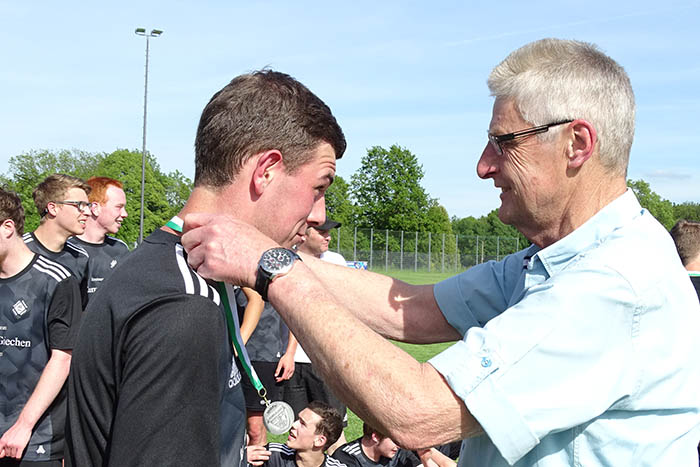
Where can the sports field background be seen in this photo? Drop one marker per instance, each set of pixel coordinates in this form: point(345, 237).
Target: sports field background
point(420, 352)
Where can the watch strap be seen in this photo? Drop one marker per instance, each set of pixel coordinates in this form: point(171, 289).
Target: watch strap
point(262, 283)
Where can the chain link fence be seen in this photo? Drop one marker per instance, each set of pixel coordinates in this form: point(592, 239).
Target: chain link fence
point(419, 251)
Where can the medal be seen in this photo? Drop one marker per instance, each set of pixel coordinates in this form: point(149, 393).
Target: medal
point(278, 417)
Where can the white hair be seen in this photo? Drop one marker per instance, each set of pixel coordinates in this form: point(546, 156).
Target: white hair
point(552, 80)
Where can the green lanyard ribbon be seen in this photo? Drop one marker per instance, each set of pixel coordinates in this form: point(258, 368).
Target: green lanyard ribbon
point(234, 328)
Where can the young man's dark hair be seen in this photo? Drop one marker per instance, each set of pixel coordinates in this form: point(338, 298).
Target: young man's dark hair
point(686, 236)
point(256, 112)
point(331, 424)
point(11, 208)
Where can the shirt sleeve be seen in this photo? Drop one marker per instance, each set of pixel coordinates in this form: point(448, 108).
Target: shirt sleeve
point(345, 458)
point(170, 386)
point(480, 293)
point(64, 315)
point(561, 356)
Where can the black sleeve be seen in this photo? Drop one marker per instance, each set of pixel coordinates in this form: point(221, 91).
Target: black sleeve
point(64, 315)
point(168, 411)
point(405, 458)
point(345, 458)
point(451, 450)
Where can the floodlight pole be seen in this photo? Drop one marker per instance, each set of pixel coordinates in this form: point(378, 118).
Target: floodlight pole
point(153, 33)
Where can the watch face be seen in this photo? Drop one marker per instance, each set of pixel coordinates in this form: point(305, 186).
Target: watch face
point(276, 260)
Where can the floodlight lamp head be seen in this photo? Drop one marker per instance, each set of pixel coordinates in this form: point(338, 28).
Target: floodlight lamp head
point(156, 32)
point(140, 31)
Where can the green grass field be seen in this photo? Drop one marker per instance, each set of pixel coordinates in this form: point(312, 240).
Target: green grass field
point(421, 353)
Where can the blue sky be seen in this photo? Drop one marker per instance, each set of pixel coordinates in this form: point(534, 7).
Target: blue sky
point(411, 73)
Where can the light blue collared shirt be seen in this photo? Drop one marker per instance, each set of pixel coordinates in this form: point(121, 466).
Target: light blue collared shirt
point(582, 353)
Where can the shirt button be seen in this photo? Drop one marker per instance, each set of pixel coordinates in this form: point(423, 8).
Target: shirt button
point(486, 362)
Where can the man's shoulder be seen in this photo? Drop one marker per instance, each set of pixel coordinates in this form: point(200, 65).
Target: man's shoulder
point(154, 271)
point(72, 248)
point(115, 243)
point(51, 269)
point(352, 449)
point(281, 455)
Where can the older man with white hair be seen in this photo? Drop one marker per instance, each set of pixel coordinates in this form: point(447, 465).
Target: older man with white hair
point(578, 350)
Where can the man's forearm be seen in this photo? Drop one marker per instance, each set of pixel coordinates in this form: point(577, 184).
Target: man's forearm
point(50, 383)
point(393, 308)
point(380, 382)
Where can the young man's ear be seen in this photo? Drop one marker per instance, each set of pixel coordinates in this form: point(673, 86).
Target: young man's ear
point(320, 441)
point(7, 228)
point(95, 209)
point(51, 208)
point(268, 165)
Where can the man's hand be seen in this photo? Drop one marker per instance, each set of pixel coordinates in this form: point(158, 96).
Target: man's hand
point(285, 367)
point(14, 440)
point(257, 455)
point(223, 248)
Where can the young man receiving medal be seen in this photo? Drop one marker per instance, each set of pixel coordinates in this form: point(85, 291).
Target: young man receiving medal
point(316, 429)
point(153, 380)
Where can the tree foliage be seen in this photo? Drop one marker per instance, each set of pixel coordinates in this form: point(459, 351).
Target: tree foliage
point(164, 196)
point(387, 190)
point(338, 204)
point(661, 209)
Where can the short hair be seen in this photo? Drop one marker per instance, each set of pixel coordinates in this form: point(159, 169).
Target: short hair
point(551, 80)
point(11, 208)
point(257, 112)
point(367, 430)
point(686, 236)
point(331, 423)
point(53, 188)
point(98, 188)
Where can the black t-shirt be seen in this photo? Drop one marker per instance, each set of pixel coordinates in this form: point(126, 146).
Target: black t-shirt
point(71, 256)
point(269, 340)
point(406, 458)
point(104, 257)
point(39, 311)
point(352, 455)
point(282, 455)
point(152, 378)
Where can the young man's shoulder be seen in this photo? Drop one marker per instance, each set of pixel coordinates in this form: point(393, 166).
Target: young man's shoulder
point(350, 453)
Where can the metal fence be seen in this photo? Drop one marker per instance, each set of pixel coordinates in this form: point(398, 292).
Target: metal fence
point(419, 251)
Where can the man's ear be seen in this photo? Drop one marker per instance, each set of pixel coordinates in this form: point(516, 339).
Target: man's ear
point(583, 143)
point(7, 228)
point(51, 208)
point(267, 166)
point(96, 209)
point(320, 441)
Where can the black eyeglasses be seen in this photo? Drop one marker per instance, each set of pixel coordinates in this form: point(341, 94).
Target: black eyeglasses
point(496, 140)
point(81, 205)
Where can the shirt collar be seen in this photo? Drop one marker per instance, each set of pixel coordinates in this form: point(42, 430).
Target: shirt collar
point(594, 231)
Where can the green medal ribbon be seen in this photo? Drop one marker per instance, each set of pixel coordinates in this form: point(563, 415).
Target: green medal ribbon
point(234, 328)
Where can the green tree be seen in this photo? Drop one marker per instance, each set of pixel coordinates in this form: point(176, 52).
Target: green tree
point(338, 204)
point(387, 190)
point(688, 210)
point(164, 195)
point(660, 208)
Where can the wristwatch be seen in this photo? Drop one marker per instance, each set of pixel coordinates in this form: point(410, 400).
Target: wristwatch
point(273, 263)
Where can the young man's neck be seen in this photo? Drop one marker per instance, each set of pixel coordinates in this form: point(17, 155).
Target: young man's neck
point(208, 201)
point(367, 446)
point(52, 236)
point(94, 233)
point(311, 458)
point(16, 259)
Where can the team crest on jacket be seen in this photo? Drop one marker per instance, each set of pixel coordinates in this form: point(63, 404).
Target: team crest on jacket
point(112, 264)
point(20, 308)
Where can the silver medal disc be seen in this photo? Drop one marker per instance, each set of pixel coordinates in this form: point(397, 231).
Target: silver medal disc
point(278, 417)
